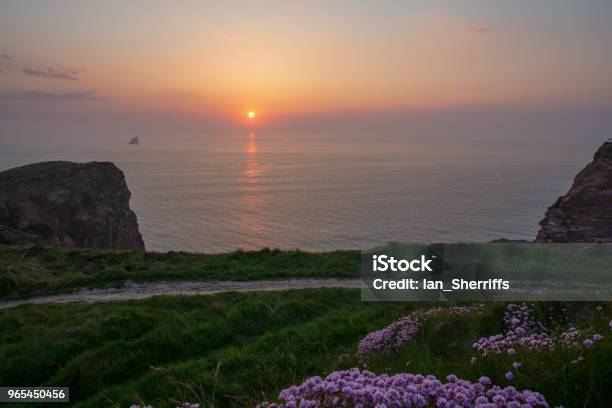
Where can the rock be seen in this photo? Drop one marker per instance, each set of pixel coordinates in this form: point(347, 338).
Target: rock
point(67, 204)
point(134, 141)
point(584, 214)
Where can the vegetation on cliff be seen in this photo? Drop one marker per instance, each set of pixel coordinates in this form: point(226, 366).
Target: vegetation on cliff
point(238, 349)
point(28, 271)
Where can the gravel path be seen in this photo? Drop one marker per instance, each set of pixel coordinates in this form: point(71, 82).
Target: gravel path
point(134, 290)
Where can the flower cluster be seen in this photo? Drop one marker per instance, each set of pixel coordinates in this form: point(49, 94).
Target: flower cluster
point(357, 388)
point(521, 316)
point(575, 338)
point(499, 343)
point(571, 337)
point(183, 405)
point(400, 332)
point(524, 333)
point(388, 339)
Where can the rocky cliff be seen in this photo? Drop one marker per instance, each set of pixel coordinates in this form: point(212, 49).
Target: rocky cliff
point(584, 214)
point(67, 204)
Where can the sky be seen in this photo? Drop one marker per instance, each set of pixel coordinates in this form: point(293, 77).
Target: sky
point(192, 64)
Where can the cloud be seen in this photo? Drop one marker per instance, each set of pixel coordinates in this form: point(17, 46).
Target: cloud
point(51, 96)
point(479, 30)
point(51, 73)
point(5, 56)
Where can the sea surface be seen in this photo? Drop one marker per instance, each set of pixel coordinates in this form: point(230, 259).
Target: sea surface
point(252, 189)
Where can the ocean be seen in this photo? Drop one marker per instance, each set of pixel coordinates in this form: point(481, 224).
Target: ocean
point(253, 189)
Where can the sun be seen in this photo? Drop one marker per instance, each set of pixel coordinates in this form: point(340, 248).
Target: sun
point(251, 115)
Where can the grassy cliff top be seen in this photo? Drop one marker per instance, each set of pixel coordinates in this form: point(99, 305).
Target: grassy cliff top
point(28, 271)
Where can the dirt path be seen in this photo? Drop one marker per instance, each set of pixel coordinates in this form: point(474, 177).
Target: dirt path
point(133, 290)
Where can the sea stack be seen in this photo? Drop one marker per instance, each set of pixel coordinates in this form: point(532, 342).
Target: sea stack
point(584, 214)
point(65, 204)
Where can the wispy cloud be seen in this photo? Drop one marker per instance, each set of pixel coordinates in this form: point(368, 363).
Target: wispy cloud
point(51, 73)
point(479, 30)
point(5, 56)
point(51, 96)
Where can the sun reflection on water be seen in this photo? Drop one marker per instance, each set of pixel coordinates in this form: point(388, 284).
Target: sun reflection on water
point(252, 170)
point(251, 224)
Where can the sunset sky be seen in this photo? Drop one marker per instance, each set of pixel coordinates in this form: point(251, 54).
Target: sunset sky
point(217, 60)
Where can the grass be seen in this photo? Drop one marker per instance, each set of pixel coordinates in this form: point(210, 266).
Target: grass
point(107, 351)
point(29, 271)
point(237, 349)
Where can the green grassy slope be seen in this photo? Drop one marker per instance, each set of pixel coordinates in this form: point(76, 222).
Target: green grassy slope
point(238, 349)
point(30, 271)
point(107, 351)
point(27, 271)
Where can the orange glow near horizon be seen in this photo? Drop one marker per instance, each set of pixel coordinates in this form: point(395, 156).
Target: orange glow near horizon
point(303, 59)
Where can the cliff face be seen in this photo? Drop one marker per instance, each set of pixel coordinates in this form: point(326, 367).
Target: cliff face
point(67, 204)
point(584, 214)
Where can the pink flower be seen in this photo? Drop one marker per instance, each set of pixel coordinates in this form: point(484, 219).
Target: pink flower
point(366, 389)
point(484, 380)
point(578, 360)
